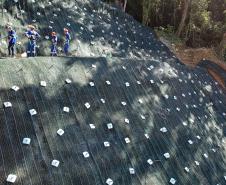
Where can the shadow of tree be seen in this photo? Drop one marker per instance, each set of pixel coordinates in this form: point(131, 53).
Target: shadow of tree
point(32, 163)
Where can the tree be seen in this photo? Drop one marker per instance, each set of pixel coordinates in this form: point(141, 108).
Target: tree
point(187, 4)
point(2, 7)
point(125, 5)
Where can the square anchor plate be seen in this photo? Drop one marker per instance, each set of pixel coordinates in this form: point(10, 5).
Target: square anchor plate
point(109, 181)
point(127, 140)
point(26, 141)
point(91, 84)
point(186, 169)
point(126, 120)
point(87, 105)
point(7, 104)
point(123, 103)
point(149, 161)
point(92, 126)
point(131, 171)
point(163, 129)
point(68, 81)
point(66, 109)
point(172, 181)
point(86, 154)
point(106, 144)
point(127, 84)
point(15, 88)
point(167, 155)
point(108, 82)
point(60, 132)
point(110, 126)
point(102, 100)
point(55, 163)
point(147, 136)
point(11, 178)
point(32, 112)
point(43, 83)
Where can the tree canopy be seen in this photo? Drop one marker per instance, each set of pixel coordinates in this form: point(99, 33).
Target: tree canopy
point(198, 22)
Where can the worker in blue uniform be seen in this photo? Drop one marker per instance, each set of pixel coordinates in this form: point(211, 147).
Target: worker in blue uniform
point(54, 40)
point(67, 41)
point(11, 40)
point(32, 36)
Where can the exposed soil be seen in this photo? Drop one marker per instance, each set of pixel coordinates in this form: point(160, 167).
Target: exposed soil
point(192, 57)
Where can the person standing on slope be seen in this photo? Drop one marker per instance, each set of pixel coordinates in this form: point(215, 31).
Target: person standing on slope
point(67, 41)
point(54, 44)
point(11, 40)
point(32, 35)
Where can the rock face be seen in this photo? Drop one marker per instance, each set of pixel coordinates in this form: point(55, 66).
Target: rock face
point(134, 113)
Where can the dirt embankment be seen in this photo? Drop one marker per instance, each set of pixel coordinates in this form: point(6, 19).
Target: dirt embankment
point(193, 57)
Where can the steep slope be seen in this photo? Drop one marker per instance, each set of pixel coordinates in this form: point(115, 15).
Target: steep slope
point(168, 120)
point(189, 104)
point(96, 28)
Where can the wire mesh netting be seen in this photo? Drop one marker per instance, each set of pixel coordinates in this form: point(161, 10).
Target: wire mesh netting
point(176, 111)
point(134, 114)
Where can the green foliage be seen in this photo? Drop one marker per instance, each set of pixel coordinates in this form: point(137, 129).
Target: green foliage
point(150, 7)
point(169, 34)
point(204, 25)
point(200, 18)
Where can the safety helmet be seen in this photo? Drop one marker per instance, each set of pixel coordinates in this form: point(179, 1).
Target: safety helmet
point(8, 26)
point(31, 27)
point(65, 30)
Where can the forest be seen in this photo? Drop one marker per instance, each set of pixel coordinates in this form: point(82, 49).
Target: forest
point(196, 23)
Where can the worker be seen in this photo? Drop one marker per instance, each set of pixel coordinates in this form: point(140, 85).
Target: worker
point(32, 35)
point(11, 40)
point(54, 44)
point(67, 41)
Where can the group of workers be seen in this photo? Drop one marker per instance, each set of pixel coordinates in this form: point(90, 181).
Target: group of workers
point(33, 36)
point(54, 40)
